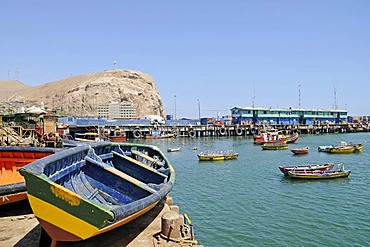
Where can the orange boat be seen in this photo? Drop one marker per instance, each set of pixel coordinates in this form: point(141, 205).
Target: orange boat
point(304, 150)
point(12, 184)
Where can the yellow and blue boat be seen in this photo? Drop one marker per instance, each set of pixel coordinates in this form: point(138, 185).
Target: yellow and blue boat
point(87, 190)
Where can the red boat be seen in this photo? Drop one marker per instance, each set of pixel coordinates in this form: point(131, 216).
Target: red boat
point(12, 184)
point(304, 150)
point(118, 136)
point(306, 168)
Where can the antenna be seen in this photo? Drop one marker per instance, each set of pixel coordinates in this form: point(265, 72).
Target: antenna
point(17, 75)
point(335, 98)
point(254, 94)
point(299, 95)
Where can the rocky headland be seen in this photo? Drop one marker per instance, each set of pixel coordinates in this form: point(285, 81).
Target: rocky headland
point(81, 95)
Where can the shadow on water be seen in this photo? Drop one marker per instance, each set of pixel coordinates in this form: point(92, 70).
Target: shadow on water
point(288, 180)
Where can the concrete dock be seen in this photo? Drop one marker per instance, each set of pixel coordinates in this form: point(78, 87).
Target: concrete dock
point(19, 227)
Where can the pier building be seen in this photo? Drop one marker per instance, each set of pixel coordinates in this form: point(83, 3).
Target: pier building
point(260, 115)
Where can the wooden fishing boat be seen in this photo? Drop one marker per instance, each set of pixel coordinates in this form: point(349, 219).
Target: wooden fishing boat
point(288, 138)
point(117, 138)
point(88, 137)
point(158, 135)
point(91, 189)
point(12, 158)
point(320, 174)
point(342, 148)
point(265, 136)
point(275, 146)
point(308, 167)
point(173, 149)
point(117, 135)
point(303, 150)
point(217, 156)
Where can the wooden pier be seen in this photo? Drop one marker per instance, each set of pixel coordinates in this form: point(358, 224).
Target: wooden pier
point(139, 131)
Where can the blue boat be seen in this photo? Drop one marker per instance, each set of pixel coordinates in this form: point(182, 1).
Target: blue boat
point(91, 189)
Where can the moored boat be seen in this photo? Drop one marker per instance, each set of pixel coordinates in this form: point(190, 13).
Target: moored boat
point(320, 174)
point(303, 150)
point(158, 135)
point(288, 138)
point(173, 149)
point(307, 167)
point(264, 136)
point(90, 189)
point(275, 146)
point(12, 158)
point(342, 148)
point(217, 156)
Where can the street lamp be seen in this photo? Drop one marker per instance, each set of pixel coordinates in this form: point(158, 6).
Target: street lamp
point(175, 107)
point(199, 108)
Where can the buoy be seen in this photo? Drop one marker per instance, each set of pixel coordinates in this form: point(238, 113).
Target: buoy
point(136, 133)
point(222, 131)
point(239, 131)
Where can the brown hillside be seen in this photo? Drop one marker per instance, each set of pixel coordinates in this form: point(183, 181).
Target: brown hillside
point(9, 88)
point(81, 95)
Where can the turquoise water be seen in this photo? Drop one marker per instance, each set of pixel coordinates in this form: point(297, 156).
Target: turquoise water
point(248, 201)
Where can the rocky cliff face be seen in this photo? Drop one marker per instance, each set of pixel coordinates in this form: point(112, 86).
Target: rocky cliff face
point(81, 95)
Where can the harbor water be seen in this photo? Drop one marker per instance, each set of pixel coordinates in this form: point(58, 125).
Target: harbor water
point(249, 202)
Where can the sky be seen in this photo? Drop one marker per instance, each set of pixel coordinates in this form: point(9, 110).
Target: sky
point(205, 56)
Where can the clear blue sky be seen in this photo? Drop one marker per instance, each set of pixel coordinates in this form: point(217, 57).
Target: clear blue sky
point(224, 53)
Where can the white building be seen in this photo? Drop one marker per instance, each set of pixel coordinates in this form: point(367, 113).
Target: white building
point(115, 110)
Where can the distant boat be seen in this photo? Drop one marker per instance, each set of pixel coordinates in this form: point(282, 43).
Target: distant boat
point(275, 146)
point(217, 156)
point(303, 150)
point(91, 189)
point(288, 138)
point(173, 149)
point(157, 135)
point(342, 148)
point(88, 137)
point(12, 158)
point(117, 136)
point(320, 174)
point(308, 167)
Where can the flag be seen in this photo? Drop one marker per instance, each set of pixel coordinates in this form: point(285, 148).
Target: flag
point(114, 62)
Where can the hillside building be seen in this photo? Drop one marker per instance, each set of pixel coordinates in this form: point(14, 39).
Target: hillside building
point(115, 110)
point(290, 115)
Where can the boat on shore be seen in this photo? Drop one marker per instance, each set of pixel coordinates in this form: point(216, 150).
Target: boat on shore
point(320, 174)
point(275, 146)
point(12, 158)
point(217, 156)
point(305, 168)
point(87, 190)
point(342, 148)
point(303, 150)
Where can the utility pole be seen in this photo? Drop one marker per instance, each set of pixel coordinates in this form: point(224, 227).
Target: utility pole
point(199, 108)
point(299, 95)
point(175, 107)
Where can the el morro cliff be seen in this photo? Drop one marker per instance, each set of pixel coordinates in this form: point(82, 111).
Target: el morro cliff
point(81, 95)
